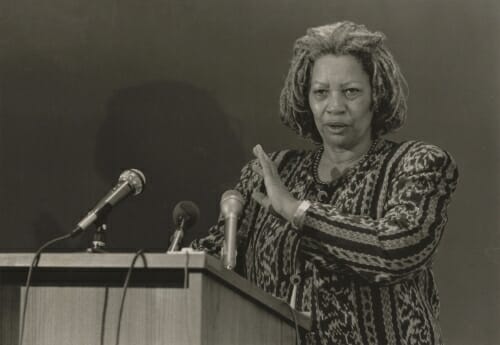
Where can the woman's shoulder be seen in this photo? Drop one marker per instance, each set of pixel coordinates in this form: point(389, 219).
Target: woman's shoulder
point(420, 155)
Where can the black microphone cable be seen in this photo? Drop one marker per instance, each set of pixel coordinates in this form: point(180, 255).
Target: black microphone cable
point(139, 253)
point(34, 264)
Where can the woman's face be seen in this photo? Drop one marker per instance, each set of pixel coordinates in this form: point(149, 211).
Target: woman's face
point(340, 100)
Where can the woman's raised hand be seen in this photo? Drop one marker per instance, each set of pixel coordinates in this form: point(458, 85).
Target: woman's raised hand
point(277, 196)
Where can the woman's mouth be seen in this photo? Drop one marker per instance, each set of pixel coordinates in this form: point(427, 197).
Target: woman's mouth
point(336, 127)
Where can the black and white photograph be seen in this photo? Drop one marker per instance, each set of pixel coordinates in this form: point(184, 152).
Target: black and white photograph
point(265, 172)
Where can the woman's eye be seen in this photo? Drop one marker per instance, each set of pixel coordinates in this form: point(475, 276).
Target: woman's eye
point(320, 92)
point(352, 92)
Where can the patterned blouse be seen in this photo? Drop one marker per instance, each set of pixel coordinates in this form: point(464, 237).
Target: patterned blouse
point(364, 254)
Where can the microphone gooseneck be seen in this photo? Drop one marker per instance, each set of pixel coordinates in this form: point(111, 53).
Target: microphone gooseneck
point(231, 205)
point(184, 215)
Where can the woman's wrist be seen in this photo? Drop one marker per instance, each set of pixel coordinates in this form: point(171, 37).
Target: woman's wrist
point(289, 208)
point(299, 215)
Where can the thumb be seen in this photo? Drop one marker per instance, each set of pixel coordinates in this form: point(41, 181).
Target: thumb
point(264, 201)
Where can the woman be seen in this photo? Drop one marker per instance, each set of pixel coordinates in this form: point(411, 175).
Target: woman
point(355, 223)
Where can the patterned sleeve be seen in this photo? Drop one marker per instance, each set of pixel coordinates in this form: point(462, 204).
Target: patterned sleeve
point(213, 242)
point(404, 235)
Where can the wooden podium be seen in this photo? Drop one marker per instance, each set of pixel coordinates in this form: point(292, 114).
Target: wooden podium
point(178, 298)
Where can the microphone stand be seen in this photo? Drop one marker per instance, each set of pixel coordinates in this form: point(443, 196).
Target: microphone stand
point(99, 238)
point(177, 237)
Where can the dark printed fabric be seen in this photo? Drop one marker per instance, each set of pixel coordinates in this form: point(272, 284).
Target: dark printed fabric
point(365, 251)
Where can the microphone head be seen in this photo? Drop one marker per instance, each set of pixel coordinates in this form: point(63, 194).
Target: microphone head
point(135, 179)
point(186, 210)
point(231, 202)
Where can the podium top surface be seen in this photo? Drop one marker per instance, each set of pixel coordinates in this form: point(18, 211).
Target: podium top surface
point(196, 260)
point(185, 260)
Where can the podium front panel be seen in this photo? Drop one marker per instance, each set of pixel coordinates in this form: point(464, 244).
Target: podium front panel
point(76, 298)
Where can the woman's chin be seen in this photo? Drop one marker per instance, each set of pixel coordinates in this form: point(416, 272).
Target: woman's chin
point(336, 141)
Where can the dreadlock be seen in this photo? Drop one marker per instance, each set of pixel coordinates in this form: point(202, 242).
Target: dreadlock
point(389, 88)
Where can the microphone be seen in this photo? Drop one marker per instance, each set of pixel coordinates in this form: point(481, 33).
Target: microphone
point(231, 205)
point(130, 182)
point(185, 215)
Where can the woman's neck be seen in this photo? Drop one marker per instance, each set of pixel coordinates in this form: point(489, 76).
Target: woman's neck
point(336, 160)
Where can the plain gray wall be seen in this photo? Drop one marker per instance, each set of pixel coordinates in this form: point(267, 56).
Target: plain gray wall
point(182, 89)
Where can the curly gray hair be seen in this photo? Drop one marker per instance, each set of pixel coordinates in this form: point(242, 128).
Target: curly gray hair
point(389, 88)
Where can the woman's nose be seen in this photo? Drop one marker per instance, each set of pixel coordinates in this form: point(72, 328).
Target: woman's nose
point(336, 104)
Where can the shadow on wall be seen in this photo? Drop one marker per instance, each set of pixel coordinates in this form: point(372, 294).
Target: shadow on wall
point(180, 138)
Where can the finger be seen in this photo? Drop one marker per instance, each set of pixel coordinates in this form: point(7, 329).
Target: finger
point(259, 152)
point(261, 199)
point(257, 169)
point(257, 149)
point(264, 160)
point(264, 201)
